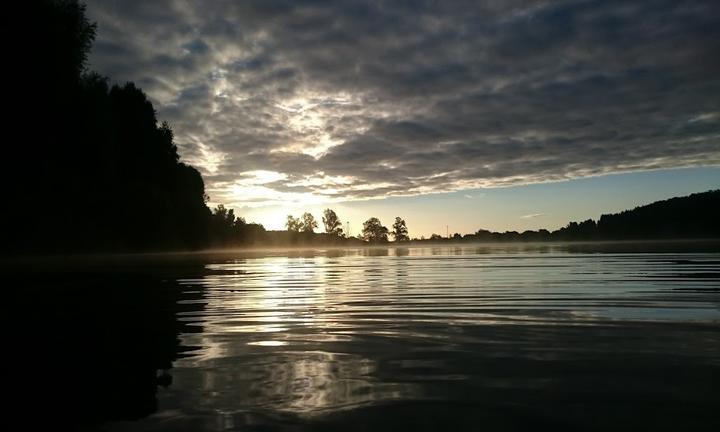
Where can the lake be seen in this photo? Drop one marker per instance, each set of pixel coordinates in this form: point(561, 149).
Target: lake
point(470, 337)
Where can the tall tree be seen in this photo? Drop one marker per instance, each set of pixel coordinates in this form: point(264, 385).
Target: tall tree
point(400, 231)
point(374, 232)
point(108, 170)
point(308, 223)
point(293, 224)
point(332, 223)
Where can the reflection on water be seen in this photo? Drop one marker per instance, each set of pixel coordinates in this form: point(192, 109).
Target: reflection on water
point(510, 337)
point(89, 345)
point(284, 307)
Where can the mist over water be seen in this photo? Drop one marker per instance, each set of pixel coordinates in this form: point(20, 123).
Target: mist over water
point(440, 338)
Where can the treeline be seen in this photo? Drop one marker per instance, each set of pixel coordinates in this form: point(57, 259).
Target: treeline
point(90, 167)
point(231, 231)
point(373, 230)
point(690, 217)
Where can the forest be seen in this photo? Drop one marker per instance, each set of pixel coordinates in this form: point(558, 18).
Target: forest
point(690, 217)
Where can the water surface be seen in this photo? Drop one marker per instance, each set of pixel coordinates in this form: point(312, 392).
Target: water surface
point(441, 338)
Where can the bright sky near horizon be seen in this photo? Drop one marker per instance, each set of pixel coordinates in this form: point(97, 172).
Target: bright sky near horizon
point(534, 206)
point(504, 115)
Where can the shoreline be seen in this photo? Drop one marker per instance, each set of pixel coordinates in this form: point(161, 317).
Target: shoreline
point(142, 259)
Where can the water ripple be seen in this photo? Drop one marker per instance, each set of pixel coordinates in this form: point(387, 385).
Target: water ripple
point(322, 332)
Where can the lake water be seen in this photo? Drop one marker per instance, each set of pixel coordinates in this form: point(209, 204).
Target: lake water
point(508, 337)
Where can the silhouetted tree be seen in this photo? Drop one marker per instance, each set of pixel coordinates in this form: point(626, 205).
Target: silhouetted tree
point(399, 230)
point(222, 224)
point(100, 162)
point(308, 223)
point(693, 216)
point(332, 223)
point(373, 231)
point(585, 230)
point(293, 224)
point(230, 230)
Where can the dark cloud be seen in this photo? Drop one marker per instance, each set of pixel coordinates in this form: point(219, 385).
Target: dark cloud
point(356, 100)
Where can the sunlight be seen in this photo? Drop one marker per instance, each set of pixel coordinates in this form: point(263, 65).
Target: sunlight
point(254, 196)
point(312, 116)
point(320, 179)
point(268, 343)
point(259, 177)
point(251, 299)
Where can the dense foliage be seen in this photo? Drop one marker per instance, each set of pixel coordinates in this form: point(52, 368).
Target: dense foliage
point(92, 169)
point(690, 217)
point(374, 232)
point(399, 230)
point(332, 223)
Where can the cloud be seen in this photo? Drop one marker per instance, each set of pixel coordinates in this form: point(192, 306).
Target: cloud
point(532, 215)
point(408, 98)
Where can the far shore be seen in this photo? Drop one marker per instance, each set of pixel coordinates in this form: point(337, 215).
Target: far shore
point(98, 261)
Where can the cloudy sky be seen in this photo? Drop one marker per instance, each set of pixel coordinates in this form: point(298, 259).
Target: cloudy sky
point(502, 114)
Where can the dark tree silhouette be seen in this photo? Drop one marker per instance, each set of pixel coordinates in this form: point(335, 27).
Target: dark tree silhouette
point(293, 224)
point(226, 229)
point(92, 157)
point(693, 216)
point(690, 217)
point(308, 223)
point(400, 231)
point(332, 223)
point(374, 232)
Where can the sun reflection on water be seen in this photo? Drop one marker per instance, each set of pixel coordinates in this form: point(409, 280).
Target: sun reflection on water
point(309, 332)
point(283, 312)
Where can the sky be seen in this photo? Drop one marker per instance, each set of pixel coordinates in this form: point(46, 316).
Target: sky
point(455, 115)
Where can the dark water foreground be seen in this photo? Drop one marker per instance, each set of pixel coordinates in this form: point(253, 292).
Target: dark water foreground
point(507, 337)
